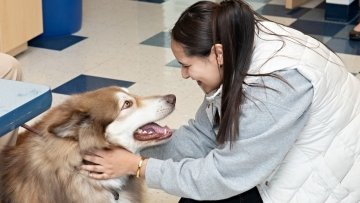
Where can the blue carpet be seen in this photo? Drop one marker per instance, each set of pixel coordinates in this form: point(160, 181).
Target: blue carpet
point(55, 43)
point(84, 83)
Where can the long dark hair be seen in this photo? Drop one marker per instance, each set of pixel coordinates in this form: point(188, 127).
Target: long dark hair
point(231, 23)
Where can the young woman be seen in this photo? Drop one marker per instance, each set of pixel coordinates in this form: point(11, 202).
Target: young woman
point(279, 121)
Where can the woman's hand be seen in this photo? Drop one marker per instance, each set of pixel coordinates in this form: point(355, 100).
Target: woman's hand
point(111, 163)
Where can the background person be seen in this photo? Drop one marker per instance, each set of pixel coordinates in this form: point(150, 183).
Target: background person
point(10, 69)
point(355, 33)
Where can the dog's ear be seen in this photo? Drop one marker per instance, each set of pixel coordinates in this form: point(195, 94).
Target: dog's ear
point(73, 121)
point(66, 121)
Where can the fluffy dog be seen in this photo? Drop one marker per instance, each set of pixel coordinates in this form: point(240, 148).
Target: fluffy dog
point(44, 166)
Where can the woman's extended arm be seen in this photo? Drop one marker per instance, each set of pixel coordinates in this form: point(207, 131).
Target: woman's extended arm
point(269, 126)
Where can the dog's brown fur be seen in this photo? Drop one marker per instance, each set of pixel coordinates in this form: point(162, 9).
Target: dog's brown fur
point(45, 168)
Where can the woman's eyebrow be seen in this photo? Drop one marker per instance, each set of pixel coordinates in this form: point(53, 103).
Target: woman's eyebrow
point(182, 63)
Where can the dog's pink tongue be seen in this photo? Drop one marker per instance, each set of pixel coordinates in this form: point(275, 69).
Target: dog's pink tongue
point(152, 131)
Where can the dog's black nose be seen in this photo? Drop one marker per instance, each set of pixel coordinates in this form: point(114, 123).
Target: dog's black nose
point(170, 98)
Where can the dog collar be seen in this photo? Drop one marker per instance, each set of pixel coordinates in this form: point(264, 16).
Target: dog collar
point(115, 193)
point(31, 129)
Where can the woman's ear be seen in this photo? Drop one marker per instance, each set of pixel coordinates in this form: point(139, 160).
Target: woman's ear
point(218, 50)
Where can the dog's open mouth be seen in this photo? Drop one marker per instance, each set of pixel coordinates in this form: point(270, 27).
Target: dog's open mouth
point(152, 131)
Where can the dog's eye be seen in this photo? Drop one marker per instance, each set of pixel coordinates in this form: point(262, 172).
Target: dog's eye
point(127, 104)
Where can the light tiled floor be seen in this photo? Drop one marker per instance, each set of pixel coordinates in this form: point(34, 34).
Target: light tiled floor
point(128, 40)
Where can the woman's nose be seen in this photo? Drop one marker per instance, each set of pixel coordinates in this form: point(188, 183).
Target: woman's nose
point(185, 73)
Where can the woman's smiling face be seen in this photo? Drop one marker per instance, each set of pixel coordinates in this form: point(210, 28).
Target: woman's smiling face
point(205, 70)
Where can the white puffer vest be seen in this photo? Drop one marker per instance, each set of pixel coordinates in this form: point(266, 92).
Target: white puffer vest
point(324, 164)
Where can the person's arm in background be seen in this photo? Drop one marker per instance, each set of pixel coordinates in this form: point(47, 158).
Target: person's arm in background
point(10, 69)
